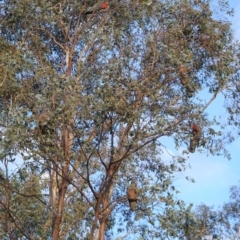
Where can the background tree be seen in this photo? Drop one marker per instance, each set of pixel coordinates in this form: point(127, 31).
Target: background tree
point(206, 222)
point(94, 97)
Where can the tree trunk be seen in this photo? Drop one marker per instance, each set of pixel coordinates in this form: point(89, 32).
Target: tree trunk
point(57, 218)
point(102, 230)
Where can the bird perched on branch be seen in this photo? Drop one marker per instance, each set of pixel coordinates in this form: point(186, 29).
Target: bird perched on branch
point(44, 123)
point(195, 138)
point(101, 6)
point(132, 196)
point(185, 80)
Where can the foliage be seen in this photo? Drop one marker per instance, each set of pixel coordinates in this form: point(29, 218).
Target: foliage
point(87, 100)
point(216, 224)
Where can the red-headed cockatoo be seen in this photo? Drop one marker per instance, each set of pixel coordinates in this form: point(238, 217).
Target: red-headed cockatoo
point(101, 6)
point(195, 138)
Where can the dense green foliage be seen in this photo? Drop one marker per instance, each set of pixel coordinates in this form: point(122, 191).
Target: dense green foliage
point(86, 101)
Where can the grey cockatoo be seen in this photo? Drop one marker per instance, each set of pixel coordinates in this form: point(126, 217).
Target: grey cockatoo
point(132, 196)
point(45, 124)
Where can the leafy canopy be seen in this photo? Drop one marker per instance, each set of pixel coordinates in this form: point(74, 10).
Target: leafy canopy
point(87, 102)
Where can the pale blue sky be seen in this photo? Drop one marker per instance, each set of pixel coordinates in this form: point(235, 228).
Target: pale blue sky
point(213, 175)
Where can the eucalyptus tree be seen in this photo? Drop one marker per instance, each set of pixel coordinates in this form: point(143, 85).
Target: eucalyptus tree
point(94, 97)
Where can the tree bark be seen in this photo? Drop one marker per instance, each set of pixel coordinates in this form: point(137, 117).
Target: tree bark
point(57, 218)
point(102, 230)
